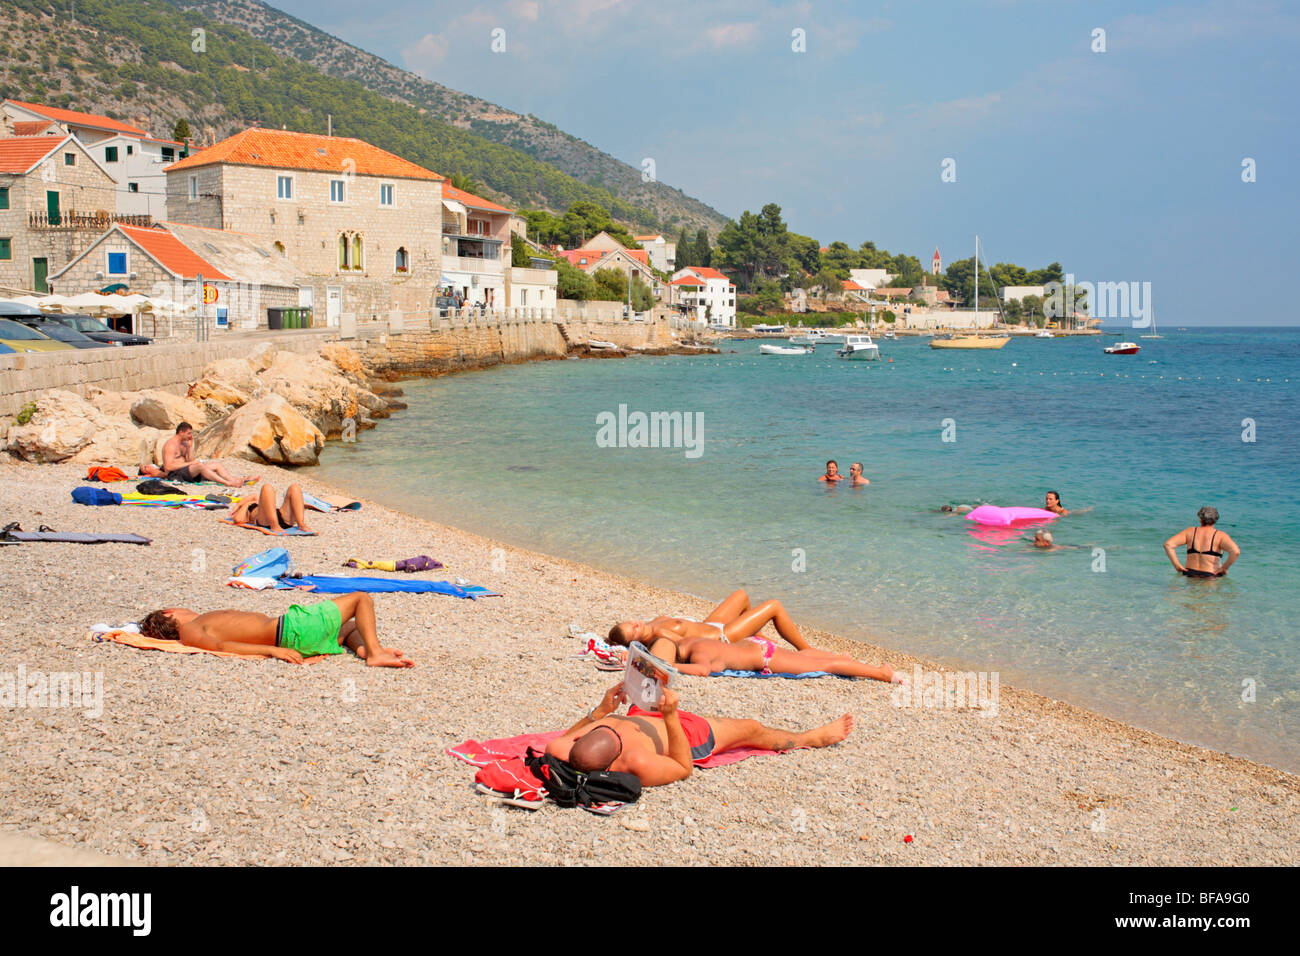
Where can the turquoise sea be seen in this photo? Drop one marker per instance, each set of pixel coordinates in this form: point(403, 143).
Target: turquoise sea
point(1134, 443)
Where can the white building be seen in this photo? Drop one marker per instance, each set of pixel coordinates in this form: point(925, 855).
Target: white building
point(532, 288)
point(663, 253)
point(1014, 293)
point(707, 294)
point(870, 278)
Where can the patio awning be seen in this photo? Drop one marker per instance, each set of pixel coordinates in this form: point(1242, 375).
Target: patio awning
point(452, 206)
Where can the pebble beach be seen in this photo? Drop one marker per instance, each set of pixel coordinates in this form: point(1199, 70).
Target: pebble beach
point(200, 760)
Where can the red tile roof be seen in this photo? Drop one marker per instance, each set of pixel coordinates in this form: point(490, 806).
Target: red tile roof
point(707, 272)
point(31, 127)
point(689, 280)
point(594, 256)
point(18, 154)
point(469, 199)
point(851, 286)
point(172, 254)
point(284, 149)
point(643, 238)
point(80, 119)
point(890, 293)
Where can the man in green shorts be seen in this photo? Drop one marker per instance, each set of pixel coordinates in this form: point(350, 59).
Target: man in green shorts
point(324, 628)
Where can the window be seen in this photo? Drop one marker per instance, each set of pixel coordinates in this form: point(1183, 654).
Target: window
point(385, 194)
point(336, 190)
point(168, 154)
point(110, 154)
point(69, 159)
point(6, 248)
point(4, 197)
point(130, 150)
point(523, 296)
point(133, 187)
point(117, 263)
point(194, 189)
point(356, 252)
point(283, 187)
point(350, 248)
point(343, 251)
point(401, 261)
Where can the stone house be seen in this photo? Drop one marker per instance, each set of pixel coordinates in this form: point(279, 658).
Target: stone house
point(241, 276)
point(476, 237)
point(54, 198)
point(663, 251)
point(365, 226)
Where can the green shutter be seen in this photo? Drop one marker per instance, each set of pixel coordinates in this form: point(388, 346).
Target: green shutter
point(6, 249)
point(4, 197)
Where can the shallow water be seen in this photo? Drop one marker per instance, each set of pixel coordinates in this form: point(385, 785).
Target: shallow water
point(1134, 443)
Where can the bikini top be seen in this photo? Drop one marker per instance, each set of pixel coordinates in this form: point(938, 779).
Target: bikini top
point(1191, 546)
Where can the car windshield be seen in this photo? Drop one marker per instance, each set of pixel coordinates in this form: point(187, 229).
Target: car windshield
point(18, 332)
point(84, 323)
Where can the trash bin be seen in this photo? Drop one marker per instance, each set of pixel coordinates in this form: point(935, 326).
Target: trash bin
point(275, 319)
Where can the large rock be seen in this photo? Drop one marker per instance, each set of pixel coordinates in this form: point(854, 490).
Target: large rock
point(66, 427)
point(158, 409)
point(215, 391)
point(113, 404)
point(345, 359)
point(229, 382)
point(265, 429)
point(316, 387)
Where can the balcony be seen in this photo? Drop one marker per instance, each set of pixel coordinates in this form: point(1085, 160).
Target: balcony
point(476, 264)
point(96, 221)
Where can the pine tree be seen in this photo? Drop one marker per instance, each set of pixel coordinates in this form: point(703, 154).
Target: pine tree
point(181, 131)
point(701, 251)
point(685, 252)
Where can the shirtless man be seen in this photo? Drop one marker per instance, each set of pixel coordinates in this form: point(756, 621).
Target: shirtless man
point(702, 656)
point(264, 513)
point(179, 464)
point(661, 748)
point(324, 628)
point(855, 475)
point(1205, 561)
point(732, 620)
point(832, 472)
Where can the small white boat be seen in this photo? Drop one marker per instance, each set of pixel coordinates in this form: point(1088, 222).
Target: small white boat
point(817, 337)
point(889, 335)
point(597, 344)
point(1123, 348)
point(783, 350)
point(1044, 334)
point(859, 348)
point(768, 328)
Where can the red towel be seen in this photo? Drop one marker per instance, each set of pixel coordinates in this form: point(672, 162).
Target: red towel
point(508, 748)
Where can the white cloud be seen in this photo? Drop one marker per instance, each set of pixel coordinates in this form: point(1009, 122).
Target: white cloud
point(731, 34)
point(528, 10)
point(430, 49)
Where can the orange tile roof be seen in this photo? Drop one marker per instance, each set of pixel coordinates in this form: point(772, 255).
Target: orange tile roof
point(469, 199)
point(172, 254)
point(707, 272)
point(284, 149)
point(80, 119)
point(655, 236)
point(851, 286)
point(689, 280)
point(596, 255)
point(31, 127)
point(890, 293)
point(18, 154)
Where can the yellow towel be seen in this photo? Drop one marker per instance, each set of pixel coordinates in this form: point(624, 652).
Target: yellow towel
point(364, 565)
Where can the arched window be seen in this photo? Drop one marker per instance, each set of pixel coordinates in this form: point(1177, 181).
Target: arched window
point(357, 262)
point(401, 261)
point(344, 248)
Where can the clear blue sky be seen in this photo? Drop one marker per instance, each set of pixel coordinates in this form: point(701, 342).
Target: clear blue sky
point(1124, 165)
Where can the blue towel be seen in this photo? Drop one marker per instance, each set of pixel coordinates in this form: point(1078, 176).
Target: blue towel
point(730, 673)
point(331, 584)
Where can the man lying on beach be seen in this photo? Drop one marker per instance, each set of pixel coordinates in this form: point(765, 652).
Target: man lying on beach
point(702, 656)
point(855, 475)
point(264, 513)
point(324, 628)
point(832, 472)
point(732, 620)
point(179, 463)
point(661, 748)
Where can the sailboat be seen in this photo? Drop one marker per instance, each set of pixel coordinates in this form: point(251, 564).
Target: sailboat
point(1153, 334)
point(973, 340)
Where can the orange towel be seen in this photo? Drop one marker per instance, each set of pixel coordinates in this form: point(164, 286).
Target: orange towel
point(132, 639)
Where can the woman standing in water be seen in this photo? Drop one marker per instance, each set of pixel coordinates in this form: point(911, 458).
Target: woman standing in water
point(1204, 557)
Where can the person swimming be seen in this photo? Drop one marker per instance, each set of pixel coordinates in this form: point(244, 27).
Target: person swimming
point(832, 472)
point(855, 475)
point(1052, 502)
point(1206, 559)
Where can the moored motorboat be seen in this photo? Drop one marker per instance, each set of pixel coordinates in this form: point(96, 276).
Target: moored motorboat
point(1123, 348)
point(782, 350)
point(858, 348)
point(817, 337)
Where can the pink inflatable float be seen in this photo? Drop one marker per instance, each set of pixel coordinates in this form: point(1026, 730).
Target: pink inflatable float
point(1005, 517)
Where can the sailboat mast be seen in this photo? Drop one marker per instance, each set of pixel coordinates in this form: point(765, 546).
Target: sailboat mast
point(977, 283)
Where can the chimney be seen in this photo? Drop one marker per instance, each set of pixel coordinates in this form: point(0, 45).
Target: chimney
point(6, 124)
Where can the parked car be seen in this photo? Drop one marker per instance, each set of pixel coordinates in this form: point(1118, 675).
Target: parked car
point(22, 338)
point(58, 331)
point(5, 350)
point(93, 328)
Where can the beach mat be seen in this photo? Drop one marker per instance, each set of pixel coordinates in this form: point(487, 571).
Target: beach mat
point(508, 748)
point(330, 503)
point(79, 537)
point(140, 642)
point(258, 527)
point(734, 673)
point(330, 584)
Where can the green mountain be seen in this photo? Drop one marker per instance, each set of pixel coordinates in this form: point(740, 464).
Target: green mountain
point(141, 61)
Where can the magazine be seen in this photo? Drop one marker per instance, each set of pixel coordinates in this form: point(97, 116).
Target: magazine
point(646, 677)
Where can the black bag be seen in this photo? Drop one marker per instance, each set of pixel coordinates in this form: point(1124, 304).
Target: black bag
point(155, 487)
point(573, 788)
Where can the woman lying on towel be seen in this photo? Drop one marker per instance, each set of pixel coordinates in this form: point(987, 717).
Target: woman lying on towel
point(732, 620)
point(264, 513)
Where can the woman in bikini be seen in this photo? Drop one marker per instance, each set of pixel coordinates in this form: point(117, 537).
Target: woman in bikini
point(832, 472)
point(1203, 543)
point(704, 656)
point(731, 621)
point(264, 513)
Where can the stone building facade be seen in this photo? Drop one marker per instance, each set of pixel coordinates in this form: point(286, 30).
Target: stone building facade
point(365, 226)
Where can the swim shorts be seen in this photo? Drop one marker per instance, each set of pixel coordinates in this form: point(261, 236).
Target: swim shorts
point(311, 630)
point(180, 474)
point(699, 733)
